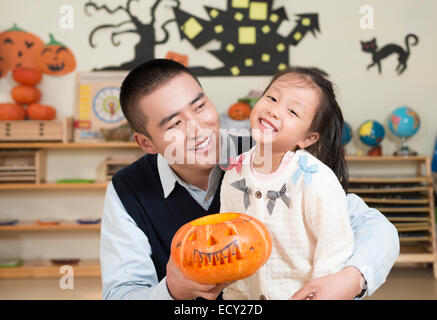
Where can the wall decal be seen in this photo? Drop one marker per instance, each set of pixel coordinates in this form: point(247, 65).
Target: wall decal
point(247, 30)
point(145, 49)
point(389, 49)
point(250, 43)
point(23, 49)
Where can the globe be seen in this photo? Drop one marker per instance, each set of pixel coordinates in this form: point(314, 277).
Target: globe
point(404, 122)
point(346, 136)
point(371, 133)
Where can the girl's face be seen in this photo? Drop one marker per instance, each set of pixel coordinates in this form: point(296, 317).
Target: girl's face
point(283, 115)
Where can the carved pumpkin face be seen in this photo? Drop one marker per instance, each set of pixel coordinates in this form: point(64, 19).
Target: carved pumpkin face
point(19, 48)
point(239, 111)
point(56, 59)
point(221, 247)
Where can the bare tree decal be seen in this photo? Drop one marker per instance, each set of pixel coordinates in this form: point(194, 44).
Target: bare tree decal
point(145, 49)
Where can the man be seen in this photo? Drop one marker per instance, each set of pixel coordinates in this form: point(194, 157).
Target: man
point(179, 180)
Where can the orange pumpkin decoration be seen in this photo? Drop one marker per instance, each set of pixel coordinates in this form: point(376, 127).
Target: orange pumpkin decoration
point(56, 59)
point(19, 48)
point(181, 58)
point(4, 66)
point(221, 247)
point(239, 111)
point(41, 112)
point(11, 111)
point(27, 76)
point(26, 94)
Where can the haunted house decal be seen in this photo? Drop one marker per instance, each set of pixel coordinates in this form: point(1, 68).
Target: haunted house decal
point(247, 31)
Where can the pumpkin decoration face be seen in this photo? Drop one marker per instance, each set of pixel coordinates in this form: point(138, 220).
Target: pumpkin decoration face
point(221, 247)
point(19, 48)
point(239, 111)
point(56, 59)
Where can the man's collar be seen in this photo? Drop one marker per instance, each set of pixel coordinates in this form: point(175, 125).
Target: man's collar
point(167, 176)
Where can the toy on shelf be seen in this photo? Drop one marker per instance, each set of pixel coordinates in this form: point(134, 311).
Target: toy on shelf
point(404, 123)
point(239, 111)
point(98, 107)
point(25, 165)
point(346, 135)
point(36, 130)
point(112, 165)
point(372, 133)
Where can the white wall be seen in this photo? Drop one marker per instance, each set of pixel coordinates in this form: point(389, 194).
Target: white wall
point(362, 94)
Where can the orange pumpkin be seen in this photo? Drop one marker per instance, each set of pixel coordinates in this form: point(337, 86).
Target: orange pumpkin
point(4, 66)
point(19, 48)
point(221, 247)
point(41, 112)
point(11, 111)
point(27, 76)
point(26, 94)
point(239, 111)
point(56, 59)
point(181, 58)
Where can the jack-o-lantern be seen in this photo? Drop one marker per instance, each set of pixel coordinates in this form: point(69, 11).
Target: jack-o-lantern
point(12, 111)
point(56, 59)
point(19, 48)
point(221, 247)
point(25, 94)
point(239, 111)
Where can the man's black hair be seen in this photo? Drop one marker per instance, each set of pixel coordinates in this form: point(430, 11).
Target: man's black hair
point(143, 80)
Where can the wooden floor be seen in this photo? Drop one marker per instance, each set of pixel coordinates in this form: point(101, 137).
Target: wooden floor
point(402, 283)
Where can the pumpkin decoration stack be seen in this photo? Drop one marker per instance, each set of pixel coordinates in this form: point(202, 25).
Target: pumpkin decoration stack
point(221, 247)
point(26, 93)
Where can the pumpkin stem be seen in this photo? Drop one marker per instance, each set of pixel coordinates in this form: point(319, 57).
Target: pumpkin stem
point(15, 28)
point(53, 41)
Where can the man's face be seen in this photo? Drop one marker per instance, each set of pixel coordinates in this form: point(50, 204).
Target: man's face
point(183, 123)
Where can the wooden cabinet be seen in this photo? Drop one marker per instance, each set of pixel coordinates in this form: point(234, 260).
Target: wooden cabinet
point(29, 159)
point(401, 188)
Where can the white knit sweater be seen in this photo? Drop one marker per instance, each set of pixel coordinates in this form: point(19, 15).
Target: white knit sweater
point(311, 238)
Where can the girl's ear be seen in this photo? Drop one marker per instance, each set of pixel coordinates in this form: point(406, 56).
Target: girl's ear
point(145, 143)
point(309, 140)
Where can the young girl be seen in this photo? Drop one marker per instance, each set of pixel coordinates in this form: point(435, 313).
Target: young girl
point(294, 180)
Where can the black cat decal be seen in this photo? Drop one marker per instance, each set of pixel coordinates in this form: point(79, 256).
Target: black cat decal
point(387, 50)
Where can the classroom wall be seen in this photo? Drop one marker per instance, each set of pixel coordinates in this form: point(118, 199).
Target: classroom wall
point(362, 94)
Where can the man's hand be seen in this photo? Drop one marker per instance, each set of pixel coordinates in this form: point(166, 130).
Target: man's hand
point(182, 288)
point(345, 284)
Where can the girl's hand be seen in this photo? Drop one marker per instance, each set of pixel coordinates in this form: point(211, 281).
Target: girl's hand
point(345, 284)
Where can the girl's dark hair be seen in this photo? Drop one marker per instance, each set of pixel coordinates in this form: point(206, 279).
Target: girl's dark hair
point(328, 122)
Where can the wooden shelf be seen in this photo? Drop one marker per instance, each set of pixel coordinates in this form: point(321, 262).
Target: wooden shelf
point(46, 269)
point(416, 225)
point(386, 158)
point(391, 190)
point(68, 145)
point(54, 186)
point(382, 179)
point(63, 226)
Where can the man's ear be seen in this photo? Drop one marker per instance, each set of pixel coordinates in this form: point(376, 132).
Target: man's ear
point(145, 143)
point(309, 140)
